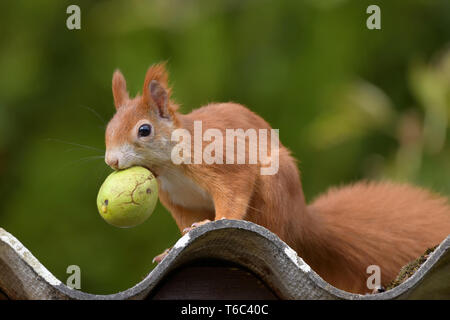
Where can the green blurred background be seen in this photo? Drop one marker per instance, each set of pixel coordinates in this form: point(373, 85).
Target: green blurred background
point(350, 103)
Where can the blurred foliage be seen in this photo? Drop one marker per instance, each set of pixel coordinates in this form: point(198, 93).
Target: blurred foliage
point(350, 103)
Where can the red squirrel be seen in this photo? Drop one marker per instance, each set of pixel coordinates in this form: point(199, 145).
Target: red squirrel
point(339, 234)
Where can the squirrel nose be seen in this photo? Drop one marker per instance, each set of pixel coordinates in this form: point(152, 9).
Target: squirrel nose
point(112, 161)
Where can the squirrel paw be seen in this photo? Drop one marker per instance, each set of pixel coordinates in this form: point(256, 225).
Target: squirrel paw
point(161, 256)
point(195, 225)
point(378, 289)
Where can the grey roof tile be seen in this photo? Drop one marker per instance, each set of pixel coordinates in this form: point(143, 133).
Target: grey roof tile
point(22, 276)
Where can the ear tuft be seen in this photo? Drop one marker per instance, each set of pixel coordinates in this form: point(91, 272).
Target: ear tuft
point(119, 88)
point(157, 72)
point(156, 92)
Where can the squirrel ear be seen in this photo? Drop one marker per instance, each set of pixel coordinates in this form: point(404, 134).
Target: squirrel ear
point(156, 92)
point(119, 88)
point(160, 98)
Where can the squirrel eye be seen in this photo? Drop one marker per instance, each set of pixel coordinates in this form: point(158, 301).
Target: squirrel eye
point(144, 130)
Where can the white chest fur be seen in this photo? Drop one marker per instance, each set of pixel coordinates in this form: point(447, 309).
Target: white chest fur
point(185, 192)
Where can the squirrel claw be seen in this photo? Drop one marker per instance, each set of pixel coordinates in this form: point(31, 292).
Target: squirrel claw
point(195, 225)
point(161, 256)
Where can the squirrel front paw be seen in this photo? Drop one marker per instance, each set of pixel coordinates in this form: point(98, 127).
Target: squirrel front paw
point(195, 225)
point(161, 256)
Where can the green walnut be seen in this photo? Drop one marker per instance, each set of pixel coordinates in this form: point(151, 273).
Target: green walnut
point(128, 197)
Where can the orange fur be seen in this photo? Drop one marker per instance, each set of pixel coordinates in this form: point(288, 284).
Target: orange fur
point(120, 93)
point(339, 235)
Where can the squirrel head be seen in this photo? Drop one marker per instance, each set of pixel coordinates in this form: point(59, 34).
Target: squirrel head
point(139, 134)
